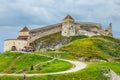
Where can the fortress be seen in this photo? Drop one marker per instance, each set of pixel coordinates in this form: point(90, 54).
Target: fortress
point(68, 27)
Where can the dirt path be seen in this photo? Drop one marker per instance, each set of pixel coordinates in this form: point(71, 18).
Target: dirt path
point(78, 66)
point(13, 62)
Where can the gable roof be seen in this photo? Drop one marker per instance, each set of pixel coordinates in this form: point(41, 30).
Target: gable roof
point(46, 28)
point(68, 17)
point(25, 29)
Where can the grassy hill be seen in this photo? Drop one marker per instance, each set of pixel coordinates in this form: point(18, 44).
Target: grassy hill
point(97, 47)
point(101, 47)
point(53, 41)
point(91, 72)
point(76, 47)
point(16, 62)
point(6, 59)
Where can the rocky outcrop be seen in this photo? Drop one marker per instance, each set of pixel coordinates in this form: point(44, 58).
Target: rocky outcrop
point(50, 45)
point(112, 75)
point(53, 41)
point(50, 42)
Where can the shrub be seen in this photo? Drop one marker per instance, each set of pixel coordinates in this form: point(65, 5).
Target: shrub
point(32, 67)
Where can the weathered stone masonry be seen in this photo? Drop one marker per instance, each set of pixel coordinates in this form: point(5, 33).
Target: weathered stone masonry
point(69, 27)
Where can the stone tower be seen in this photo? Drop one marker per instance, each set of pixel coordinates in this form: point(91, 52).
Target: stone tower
point(24, 34)
point(110, 29)
point(68, 26)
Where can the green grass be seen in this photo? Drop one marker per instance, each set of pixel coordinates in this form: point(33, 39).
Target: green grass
point(97, 47)
point(7, 58)
point(52, 40)
point(27, 60)
point(62, 55)
point(54, 66)
point(91, 72)
point(17, 62)
point(100, 47)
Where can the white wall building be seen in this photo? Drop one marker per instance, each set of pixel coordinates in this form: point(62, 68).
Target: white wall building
point(14, 44)
point(19, 43)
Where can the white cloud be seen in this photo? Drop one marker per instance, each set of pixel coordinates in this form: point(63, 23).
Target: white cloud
point(42, 12)
point(33, 13)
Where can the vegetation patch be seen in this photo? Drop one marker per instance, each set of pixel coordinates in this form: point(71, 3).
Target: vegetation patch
point(94, 47)
point(53, 66)
point(7, 58)
point(92, 72)
point(25, 62)
point(51, 41)
point(31, 63)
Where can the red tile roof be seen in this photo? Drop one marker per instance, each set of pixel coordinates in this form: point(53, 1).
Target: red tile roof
point(25, 29)
point(68, 17)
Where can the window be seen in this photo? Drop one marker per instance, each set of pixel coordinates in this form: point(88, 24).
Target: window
point(72, 27)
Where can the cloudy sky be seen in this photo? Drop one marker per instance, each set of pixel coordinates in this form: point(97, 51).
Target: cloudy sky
point(14, 14)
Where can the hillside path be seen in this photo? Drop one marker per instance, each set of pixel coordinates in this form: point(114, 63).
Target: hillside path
point(77, 66)
point(13, 62)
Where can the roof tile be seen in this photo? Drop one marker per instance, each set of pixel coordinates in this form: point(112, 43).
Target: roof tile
point(25, 29)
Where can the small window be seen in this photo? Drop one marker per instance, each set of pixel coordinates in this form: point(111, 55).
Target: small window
point(72, 27)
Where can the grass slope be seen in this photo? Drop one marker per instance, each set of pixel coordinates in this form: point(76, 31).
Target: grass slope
point(27, 60)
point(52, 40)
point(14, 62)
point(53, 66)
point(7, 58)
point(91, 72)
point(99, 47)
point(102, 47)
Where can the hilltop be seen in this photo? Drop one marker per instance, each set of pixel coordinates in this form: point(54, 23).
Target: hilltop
point(102, 47)
point(82, 48)
point(88, 48)
point(53, 41)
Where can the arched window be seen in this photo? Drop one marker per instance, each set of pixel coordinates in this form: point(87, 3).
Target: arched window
point(13, 48)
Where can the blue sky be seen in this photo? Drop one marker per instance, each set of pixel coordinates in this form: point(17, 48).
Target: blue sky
point(15, 14)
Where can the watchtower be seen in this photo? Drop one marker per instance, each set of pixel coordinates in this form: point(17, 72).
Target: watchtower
point(68, 26)
point(24, 33)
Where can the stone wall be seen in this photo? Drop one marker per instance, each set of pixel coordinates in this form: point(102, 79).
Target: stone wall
point(106, 32)
point(87, 33)
point(70, 29)
point(39, 34)
point(18, 44)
